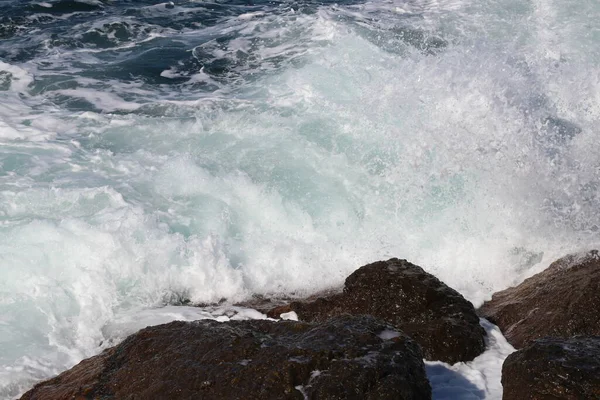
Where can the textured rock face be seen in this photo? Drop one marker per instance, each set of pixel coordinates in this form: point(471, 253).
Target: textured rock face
point(442, 321)
point(343, 358)
point(554, 368)
point(562, 301)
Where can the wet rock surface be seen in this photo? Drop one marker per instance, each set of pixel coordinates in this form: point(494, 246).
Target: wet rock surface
point(436, 316)
point(561, 301)
point(346, 357)
point(554, 368)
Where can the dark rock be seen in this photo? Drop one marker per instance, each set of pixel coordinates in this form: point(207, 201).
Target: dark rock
point(562, 301)
point(553, 368)
point(435, 315)
point(344, 358)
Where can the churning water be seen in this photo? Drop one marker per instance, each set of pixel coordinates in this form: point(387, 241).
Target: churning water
point(154, 153)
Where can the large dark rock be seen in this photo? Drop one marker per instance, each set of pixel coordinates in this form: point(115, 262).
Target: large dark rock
point(435, 315)
point(344, 358)
point(553, 368)
point(562, 301)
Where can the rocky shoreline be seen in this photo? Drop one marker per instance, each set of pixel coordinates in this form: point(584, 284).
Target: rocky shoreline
point(366, 341)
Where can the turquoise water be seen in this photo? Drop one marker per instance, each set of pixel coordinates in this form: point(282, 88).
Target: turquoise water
point(157, 152)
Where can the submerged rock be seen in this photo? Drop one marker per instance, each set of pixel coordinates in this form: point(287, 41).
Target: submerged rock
point(562, 301)
point(344, 358)
point(554, 368)
point(439, 318)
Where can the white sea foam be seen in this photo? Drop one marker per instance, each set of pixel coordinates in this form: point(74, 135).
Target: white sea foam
point(132, 321)
point(292, 316)
point(20, 78)
point(388, 334)
point(330, 141)
point(478, 379)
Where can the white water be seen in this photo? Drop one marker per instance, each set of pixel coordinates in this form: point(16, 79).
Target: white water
point(283, 182)
point(478, 379)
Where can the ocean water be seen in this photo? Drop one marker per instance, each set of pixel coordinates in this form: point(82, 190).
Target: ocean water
point(154, 154)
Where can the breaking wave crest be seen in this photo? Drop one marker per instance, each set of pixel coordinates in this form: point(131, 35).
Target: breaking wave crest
point(190, 151)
